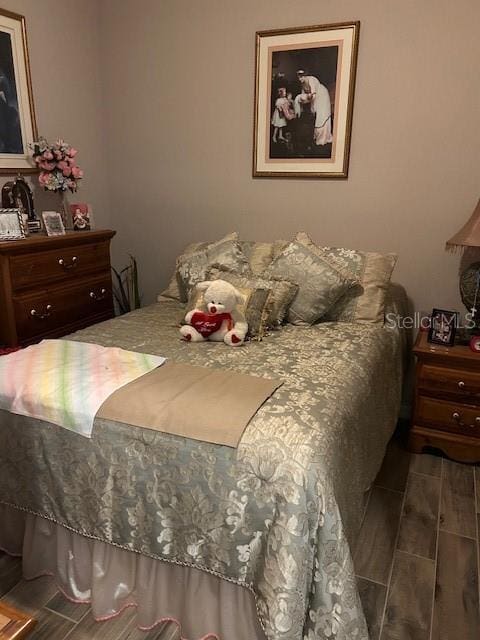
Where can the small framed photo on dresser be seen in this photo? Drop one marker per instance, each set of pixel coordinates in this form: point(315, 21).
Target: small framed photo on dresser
point(12, 224)
point(81, 213)
point(443, 325)
point(53, 223)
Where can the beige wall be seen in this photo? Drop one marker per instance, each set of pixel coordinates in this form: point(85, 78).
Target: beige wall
point(179, 79)
point(64, 59)
point(173, 80)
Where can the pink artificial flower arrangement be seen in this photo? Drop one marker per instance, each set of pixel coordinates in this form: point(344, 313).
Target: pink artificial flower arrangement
point(58, 168)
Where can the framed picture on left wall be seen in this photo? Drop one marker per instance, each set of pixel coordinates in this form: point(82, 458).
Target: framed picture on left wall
point(17, 113)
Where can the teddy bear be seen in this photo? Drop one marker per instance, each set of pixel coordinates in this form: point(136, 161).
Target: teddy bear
point(218, 319)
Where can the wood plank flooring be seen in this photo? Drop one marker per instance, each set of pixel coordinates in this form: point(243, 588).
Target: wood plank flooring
point(432, 587)
point(417, 561)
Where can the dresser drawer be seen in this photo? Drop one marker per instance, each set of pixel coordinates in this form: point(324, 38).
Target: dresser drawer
point(464, 384)
point(55, 307)
point(448, 416)
point(68, 263)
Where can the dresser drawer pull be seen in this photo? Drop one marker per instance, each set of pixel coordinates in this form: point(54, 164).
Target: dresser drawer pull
point(458, 419)
point(461, 384)
point(96, 296)
point(69, 265)
point(44, 315)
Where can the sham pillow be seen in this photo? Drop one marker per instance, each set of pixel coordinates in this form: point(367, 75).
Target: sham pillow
point(173, 291)
point(365, 302)
point(256, 308)
point(259, 255)
point(283, 292)
point(192, 268)
point(321, 283)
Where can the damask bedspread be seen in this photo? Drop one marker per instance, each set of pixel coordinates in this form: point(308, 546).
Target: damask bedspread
point(277, 514)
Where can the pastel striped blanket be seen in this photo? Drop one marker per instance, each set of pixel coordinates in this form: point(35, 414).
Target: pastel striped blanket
point(66, 382)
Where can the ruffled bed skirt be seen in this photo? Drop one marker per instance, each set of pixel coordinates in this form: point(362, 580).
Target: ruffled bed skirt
point(203, 606)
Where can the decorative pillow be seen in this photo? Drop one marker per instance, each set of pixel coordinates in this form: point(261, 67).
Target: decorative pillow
point(257, 308)
point(173, 291)
point(366, 301)
point(192, 268)
point(320, 282)
point(283, 292)
point(279, 246)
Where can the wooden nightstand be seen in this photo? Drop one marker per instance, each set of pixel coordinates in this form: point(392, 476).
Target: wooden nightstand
point(447, 400)
point(52, 286)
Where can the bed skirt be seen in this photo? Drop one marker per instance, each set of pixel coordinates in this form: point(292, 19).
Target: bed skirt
point(203, 606)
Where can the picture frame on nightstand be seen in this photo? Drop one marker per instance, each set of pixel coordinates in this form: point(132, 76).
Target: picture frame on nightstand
point(443, 325)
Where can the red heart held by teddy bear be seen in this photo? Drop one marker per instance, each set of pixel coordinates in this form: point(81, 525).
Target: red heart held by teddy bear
point(208, 323)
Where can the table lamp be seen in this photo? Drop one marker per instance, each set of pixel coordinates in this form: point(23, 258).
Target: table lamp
point(469, 236)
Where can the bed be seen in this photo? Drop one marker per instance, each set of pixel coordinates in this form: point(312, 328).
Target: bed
point(242, 543)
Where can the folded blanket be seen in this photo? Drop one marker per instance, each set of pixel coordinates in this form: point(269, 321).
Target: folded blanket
point(202, 403)
point(66, 382)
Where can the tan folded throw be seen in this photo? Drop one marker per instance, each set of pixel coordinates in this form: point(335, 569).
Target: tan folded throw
point(212, 405)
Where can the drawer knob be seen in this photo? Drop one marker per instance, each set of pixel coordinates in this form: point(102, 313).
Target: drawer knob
point(98, 296)
point(42, 316)
point(461, 384)
point(68, 265)
point(456, 416)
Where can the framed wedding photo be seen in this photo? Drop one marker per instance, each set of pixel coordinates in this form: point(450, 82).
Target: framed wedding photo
point(17, 114)
point(304, 89)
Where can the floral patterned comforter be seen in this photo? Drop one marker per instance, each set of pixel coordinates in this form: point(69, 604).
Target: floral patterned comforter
point(275, 515)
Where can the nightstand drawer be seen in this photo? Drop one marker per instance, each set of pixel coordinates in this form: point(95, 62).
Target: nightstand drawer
point(54, 308)
point(447, 380)
point(68, 263)
point(449, 416)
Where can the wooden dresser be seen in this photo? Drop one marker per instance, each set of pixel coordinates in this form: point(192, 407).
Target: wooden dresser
point(51, 286)
point(447, 400)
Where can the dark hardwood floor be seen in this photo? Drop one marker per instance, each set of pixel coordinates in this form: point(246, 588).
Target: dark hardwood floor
point(416, 556)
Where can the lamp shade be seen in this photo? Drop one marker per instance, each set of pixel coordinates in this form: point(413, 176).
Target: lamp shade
point(469, 234)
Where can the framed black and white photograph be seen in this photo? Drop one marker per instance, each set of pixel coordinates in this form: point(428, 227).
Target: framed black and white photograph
point(304, 88)
point(53, 223)
point(443, 325)
point(17, 114)
point(12, 225)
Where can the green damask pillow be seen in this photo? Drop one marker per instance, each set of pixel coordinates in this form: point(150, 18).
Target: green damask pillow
point(320, 282)
point(192, 268)
point(366, 301)
point(173, 291)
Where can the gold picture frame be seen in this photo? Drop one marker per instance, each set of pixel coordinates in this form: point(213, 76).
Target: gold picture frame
point(18, 127)
point(303, 107)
